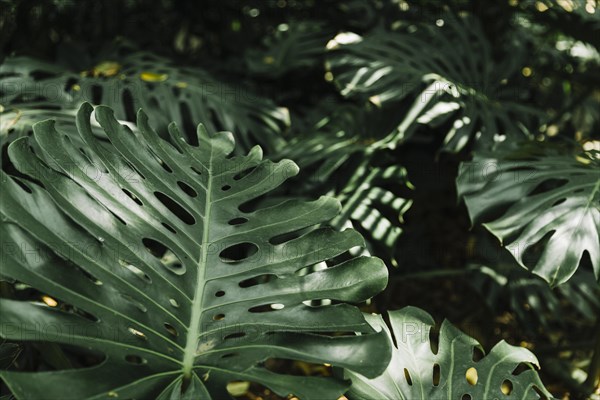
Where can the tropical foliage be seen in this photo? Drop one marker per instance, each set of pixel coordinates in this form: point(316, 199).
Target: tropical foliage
point(423, 161)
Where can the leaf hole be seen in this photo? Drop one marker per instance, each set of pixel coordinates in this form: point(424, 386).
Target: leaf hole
point(171, 329)
point(257, 280)
point(434, 340)
point(171, 262)
point(85, 154)
point(134, 302)
point(137, 333)
point(154, 247)
point(238, 221)
point(187, 189)
point(309, 269)
point(225, 188)
point(219, 317)
point(548, 185)
point(477, 354)
point(436, 374)
point(266, 308)
point(244, 173)
point(238, 252)
point(466, 396)
point(252, 204)
point(519, 369)
point(87, 315)
point(196, 170)
point(169, 227)
point(91, 277)
point(506, 387)
point(133, 197)
point(220, 293)
point(229, 355)
point(22, 185)
point(134, 359)
point(407, 377)
point(136, 271)
point(175, 208)
point(235, 335)
point(471, 376)
point(559, 201)
point(121, 220)
point(163, 164)
point(134, 169)
point(285, 237)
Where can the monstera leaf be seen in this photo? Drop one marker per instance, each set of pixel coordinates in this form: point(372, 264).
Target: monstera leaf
point(550, 200)
point(435, 69)
point(339, 160)
point(292, 47)
point(419, 372)
point(371, 205)
point(169, 271)
point(503, 283)
point(8, 353)
point(137, 79)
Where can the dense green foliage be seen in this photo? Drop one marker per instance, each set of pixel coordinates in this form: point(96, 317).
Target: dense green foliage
point(150, 249)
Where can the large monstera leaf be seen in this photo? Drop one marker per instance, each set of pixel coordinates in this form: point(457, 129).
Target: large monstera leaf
point(549, 200)
point(416, 371)
point(435, 68)
point(135, 79)
point(171, 274)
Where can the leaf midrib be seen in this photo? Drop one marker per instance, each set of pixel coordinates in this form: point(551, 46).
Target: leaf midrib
point(194, 327)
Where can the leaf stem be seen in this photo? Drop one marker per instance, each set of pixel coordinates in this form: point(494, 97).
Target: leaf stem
point(193, 333)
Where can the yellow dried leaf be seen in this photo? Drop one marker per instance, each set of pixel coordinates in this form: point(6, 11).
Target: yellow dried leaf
point(238, 388)
point(153, 77)
point(50, 302)
point(105, 69)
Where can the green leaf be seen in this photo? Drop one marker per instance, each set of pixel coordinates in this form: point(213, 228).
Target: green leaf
point(8, 353)
point(412, 370)
point(339, 160)
point(546, 199)
point(436, 69)
point(369, 204)
point(502, 282)
point(168, 92)
point(294, 46)
point(171, 274)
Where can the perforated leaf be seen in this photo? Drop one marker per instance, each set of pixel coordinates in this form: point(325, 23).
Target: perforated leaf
point(342, 157)
point(137, 79)
point(370, 203)
point(545, 199)
point(418, 372)
point(168, 272)
point(435, 68)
